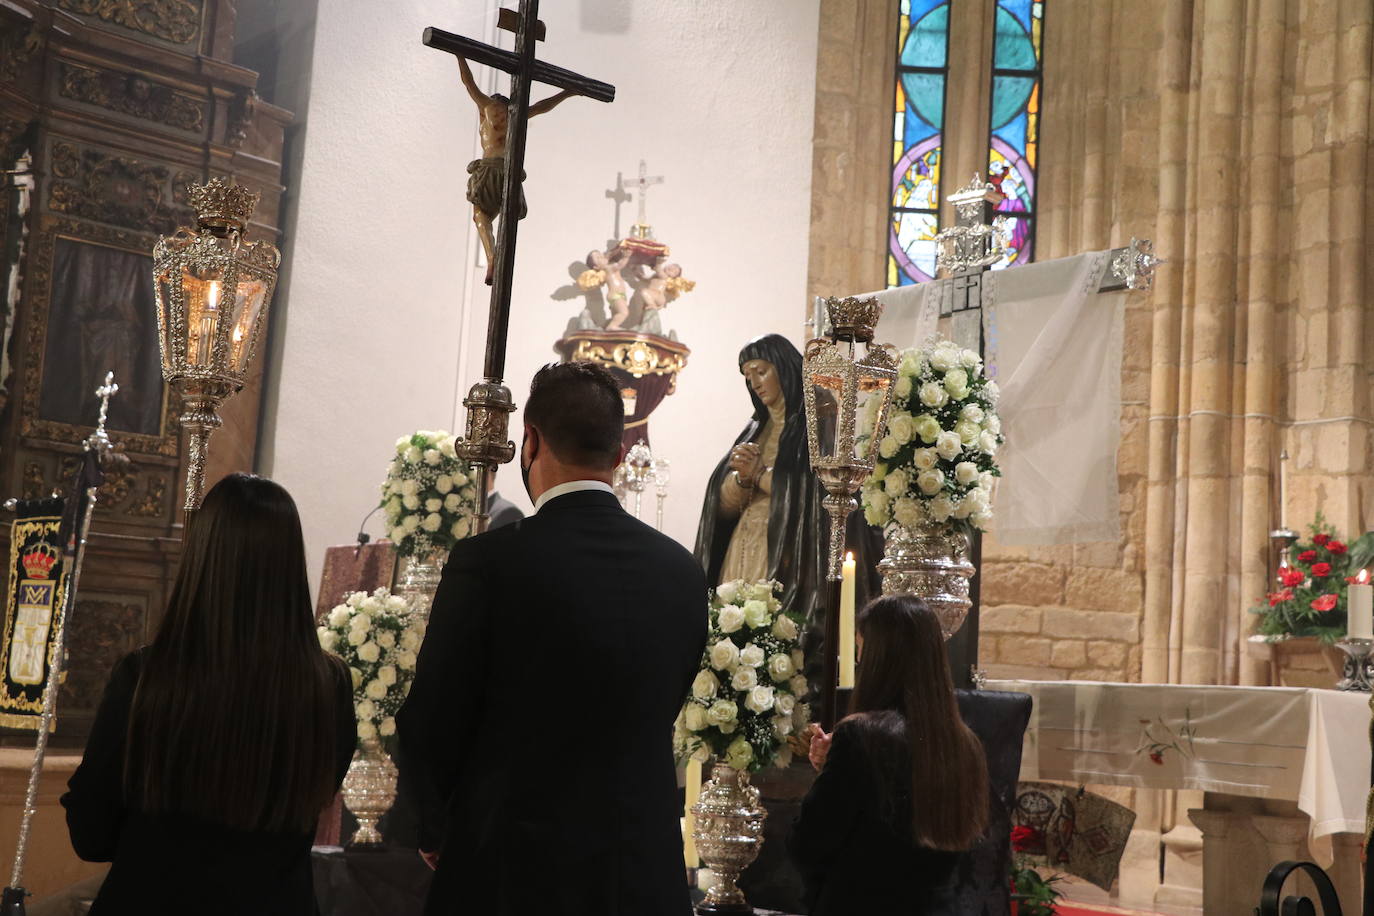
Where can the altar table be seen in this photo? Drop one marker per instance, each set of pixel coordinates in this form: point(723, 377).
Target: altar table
point(1277, 743)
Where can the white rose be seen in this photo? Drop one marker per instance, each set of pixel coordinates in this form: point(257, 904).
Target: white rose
point(410, 640)
point(339, 616)
point(888, 447)
point(876, 506)
point(981, 520)
point(402, 444)
point(395, 603)
point(966, 472)
point(785, 702)
point(740, 753)
point(785, 628)
point(760, 699)
point(924, 458)
point(412, 455)
point(432, 522)
point(411, 523)
point(903, 387)
point(461, 528)
point(993, 423)
point(798, 684)
point(944, 358)
point(452, 503)
point(368, 651)
point(934, 395)
point(694, 717)
point(724, 655)
point(366, 709)
point(969, 359)
point(411, 502)
point(433, 505)
point(948, 445)
point(902, 427)
point(731, 618)
point(986, 481)
point(967, 431)
point(940, 508)
point(744, 678)
point(398, 534)
point(727, 592)
point(962, 508)
point(780, 667)
point(912, 362)
point(406, 659)
point(387, 728)
point(896, 482)
point(987, 443)
point(992, 392)
point(756, 614)
point(356, 637)
point(930, 482)
point(798, 660)
point(705, 685)
point(366, 730)
point(394, 506)
point(375, 689)
point(722, 712)
point(329, 640)
point(386, 639)
point(387, 675)
point(782, 726)
point(752, 656)
point(907, 511)
point(432, 456)
point(956, 383)
point(444, 483)
point(972, 412)
point(927, 427)
point(449, 446)
point(978, 500)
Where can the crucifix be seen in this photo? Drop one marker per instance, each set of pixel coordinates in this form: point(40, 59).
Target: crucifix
point(489, 404)
point(642, 229)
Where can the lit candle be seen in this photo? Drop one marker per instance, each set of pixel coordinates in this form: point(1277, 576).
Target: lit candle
point(689, 843)
point(1360, 607)
point(847, 622)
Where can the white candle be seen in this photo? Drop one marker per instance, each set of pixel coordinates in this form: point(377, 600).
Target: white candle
point(1360, 608)
point(689, 843)
point(847, 622)
point(1283, 489)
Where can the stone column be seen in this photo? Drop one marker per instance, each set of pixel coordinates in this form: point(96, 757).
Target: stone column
point(1285, 838)
point(1183, 877)
point(1220, 896)
point(1347, 870)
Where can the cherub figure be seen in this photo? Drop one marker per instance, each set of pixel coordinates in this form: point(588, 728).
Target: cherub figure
point(606, 268)
point(661, 286)
point(487, 176)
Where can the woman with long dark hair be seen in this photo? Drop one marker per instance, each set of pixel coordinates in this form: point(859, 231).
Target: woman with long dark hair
point(903, 785)
point(216, 747)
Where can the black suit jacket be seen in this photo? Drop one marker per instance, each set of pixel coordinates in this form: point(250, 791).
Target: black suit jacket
point(168, 863)
point(539, 725)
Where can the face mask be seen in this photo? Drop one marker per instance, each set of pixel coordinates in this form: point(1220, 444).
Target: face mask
point(525, 471)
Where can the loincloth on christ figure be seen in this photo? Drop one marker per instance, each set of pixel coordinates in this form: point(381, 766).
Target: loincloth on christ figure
point(486, 184)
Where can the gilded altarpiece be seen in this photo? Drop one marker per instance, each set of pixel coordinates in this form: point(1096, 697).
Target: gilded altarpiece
point(109, 110)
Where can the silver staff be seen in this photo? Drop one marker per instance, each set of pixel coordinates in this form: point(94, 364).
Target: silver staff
point(99, 442)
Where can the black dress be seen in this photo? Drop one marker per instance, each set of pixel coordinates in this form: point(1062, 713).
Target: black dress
point(853, 859)
point(178, 864)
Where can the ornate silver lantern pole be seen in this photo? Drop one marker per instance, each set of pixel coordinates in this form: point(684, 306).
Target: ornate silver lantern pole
point(213, 290)
point(841, 374)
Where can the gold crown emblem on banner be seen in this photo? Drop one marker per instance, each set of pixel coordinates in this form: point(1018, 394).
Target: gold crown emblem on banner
point(221, 203)
point(39, 560)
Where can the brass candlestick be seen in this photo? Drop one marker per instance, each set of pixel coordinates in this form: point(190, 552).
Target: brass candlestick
point(213, 290)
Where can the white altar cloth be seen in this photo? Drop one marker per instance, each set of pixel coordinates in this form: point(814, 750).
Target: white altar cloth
point(1300, 744)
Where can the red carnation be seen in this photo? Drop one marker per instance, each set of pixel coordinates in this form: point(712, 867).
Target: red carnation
point(1022, 838)
point(1307, 556)
point(1324, 603)
point(1321, 539)
point(1336, 547)
point(1321, 570)
point(1292, 577)
point(1280, 597)
point(1157, 757)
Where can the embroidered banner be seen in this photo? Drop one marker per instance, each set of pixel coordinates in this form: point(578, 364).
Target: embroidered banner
point(37, 588)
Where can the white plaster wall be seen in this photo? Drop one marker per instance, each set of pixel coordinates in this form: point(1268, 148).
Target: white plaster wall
point(385, 309)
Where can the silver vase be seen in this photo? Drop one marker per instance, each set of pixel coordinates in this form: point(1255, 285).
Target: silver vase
point(419, 579)
point(369, 790)
point(930, 561)
point(728, 834)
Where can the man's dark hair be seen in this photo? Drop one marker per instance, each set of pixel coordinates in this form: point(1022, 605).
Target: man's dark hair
point(579, 412)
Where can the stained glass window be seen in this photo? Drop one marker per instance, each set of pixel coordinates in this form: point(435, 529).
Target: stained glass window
point(918, 139)
point(1014, 124)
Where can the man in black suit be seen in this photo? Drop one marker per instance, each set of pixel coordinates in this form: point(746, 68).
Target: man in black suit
point(558, 654)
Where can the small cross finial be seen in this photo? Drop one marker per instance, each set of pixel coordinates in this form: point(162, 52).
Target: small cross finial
point(643, 183)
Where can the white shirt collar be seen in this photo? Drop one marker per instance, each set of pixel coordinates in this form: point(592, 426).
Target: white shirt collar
point(572, 486)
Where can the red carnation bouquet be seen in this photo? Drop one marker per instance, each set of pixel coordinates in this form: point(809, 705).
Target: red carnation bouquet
point(1309, 596)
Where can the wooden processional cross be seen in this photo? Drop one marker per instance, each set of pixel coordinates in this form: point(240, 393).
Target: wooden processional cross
point(486, 443)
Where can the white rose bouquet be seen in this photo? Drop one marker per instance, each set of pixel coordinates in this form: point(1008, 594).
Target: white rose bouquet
point(378, 638)
point(746, 698)
point(428, 495)
point(936, 458)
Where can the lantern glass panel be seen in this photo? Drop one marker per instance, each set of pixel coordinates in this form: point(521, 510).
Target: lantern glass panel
point(203, 294)
point(248, 304)
point(871, 395)
point(828, 386)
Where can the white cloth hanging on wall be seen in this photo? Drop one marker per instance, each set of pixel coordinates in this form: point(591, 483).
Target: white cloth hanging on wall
point(1054, 343)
